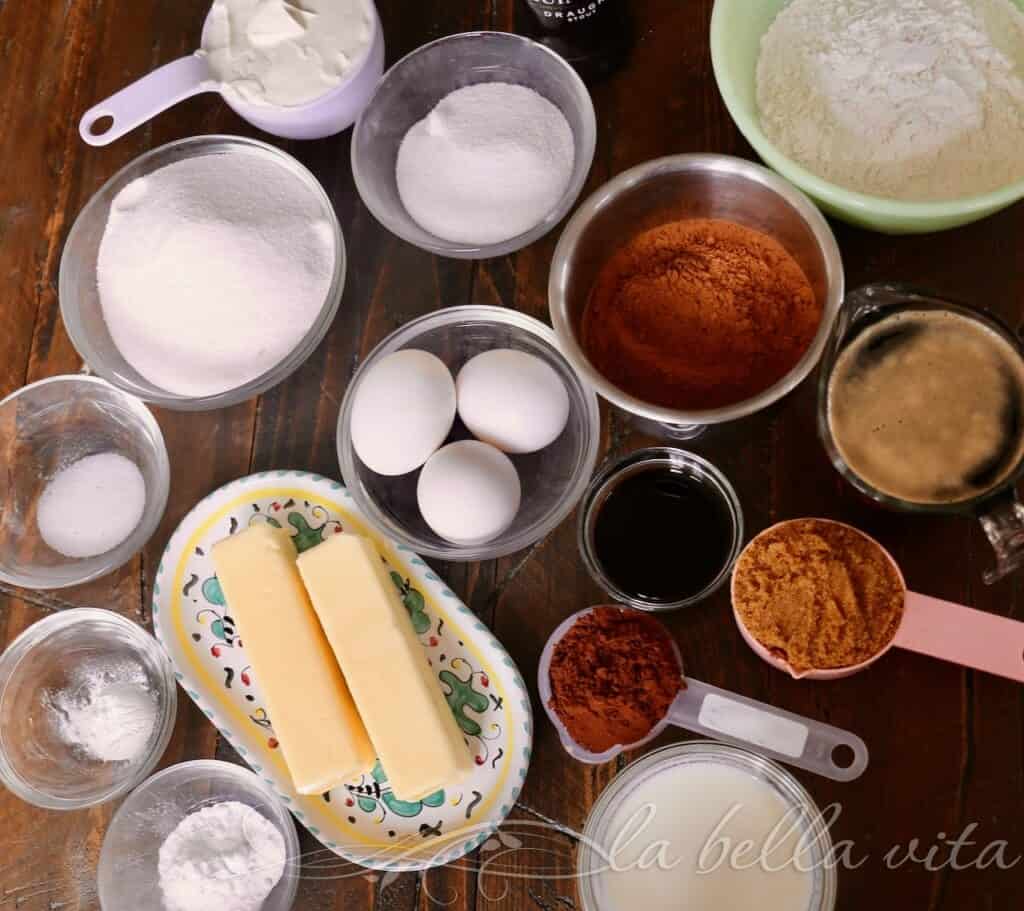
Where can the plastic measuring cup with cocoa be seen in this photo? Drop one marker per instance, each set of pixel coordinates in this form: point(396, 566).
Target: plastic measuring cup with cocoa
point(952, 632)
point(709, 710)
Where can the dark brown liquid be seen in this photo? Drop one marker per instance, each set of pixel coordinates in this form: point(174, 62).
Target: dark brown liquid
point(926, 406)
point(663, 535)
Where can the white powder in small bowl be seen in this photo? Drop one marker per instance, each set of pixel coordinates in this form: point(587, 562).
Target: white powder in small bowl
point(92, 505)
point(224, 857)
point(107, 712)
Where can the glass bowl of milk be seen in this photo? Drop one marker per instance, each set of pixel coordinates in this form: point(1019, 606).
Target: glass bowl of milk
point(669, 832)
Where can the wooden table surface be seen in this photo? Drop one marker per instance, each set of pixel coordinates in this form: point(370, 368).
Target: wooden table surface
point(947, 744)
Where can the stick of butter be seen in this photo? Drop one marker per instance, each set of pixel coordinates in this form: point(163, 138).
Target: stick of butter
point(315, 721)
point(417, 739)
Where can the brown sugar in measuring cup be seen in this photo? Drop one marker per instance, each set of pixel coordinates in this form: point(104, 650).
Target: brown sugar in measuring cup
point(818, 594)
point(805, 618)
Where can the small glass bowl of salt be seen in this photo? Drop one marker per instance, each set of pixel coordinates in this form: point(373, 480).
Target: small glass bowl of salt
point(87, 707)
point(84, 482)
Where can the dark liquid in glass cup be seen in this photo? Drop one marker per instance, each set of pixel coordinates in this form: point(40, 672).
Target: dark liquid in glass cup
point(921, 407)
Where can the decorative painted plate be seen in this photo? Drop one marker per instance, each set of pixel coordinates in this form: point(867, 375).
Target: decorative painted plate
point(363, 821)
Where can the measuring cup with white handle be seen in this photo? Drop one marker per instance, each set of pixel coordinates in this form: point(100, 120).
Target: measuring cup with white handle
point(725, 716)
point(331, 113)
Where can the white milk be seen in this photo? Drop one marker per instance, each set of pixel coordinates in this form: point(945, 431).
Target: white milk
point(689, 806)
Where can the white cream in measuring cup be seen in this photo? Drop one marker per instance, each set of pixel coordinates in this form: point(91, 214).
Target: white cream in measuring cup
point(728, 717)
point(301, 69)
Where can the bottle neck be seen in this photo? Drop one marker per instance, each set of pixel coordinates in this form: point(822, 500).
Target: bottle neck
point(567, 15)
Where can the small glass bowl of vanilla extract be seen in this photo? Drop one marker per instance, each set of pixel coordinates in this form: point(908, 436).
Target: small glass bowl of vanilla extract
point(660, 528)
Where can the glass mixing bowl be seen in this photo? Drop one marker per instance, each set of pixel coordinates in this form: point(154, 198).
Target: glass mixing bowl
point(35, 762)
point(79, 296)
point(128, 877)
point(414, 85)
point(44, 428)
point(553, 479)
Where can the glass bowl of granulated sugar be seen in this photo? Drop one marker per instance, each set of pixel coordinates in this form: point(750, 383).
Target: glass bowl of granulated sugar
point(475, 145)
point(203, 273)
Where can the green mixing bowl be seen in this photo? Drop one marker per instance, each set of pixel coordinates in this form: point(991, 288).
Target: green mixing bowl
point(736, 30)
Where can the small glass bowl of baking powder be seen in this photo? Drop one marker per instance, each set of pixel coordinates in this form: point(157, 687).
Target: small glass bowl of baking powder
point(80, 304)
point(87, 706)
point(129, 874)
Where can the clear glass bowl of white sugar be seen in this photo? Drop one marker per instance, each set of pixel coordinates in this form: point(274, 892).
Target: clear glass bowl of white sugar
point(414, 86)
point(83, 311)
point(87, 708)
point(129, 875)
point(51, 426)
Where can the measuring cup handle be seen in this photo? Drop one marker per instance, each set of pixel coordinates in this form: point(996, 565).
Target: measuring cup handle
point(963, 635)
point(782, 735)
point(145, 98)
point(1003, 522)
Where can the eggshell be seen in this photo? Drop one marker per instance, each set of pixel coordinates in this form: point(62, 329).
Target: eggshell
point(403, 409)
point(468, 492)
point(513, 400)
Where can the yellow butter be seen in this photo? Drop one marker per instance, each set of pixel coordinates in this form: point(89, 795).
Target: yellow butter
point(315, 721)
point(417, 739)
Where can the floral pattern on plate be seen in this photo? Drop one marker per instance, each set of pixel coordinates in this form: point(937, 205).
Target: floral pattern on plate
point(363, 821)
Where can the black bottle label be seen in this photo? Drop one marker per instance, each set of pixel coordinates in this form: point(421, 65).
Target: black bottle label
point(559, 14)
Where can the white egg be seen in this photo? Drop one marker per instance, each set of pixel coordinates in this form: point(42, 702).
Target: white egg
point(468, 492)
point(403, 409)
point(512, 400)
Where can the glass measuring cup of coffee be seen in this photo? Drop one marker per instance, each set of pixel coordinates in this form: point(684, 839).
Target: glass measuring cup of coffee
point(930, 626)
point(721, 715)
point(921, 408)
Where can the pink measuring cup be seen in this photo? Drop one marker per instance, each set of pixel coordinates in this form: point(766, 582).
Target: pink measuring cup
point(173, 82)
point(725, 716)
point(930, 626)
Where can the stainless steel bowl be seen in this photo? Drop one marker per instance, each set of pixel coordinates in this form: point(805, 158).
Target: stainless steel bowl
point(679, 187)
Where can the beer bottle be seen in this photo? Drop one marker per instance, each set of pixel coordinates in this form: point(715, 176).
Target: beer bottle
point(593, 35)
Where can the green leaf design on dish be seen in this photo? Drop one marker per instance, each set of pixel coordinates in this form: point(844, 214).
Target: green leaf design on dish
point(414, 603)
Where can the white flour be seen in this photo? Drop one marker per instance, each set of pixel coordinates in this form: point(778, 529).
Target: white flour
point(909, 99)
point(225, 857)
point(489, 162)
point(107, 712)
point(212, 269)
